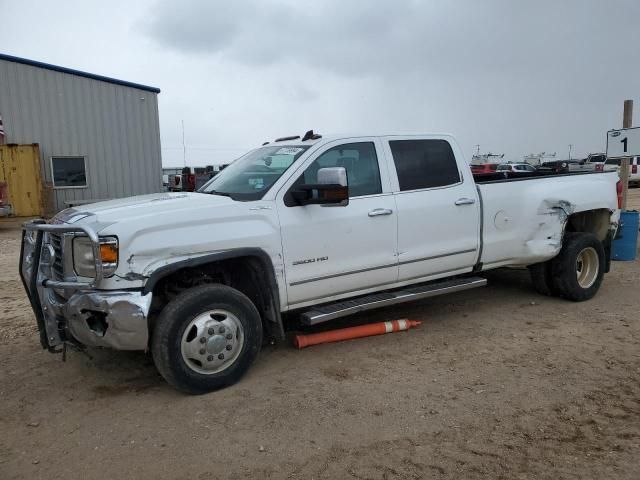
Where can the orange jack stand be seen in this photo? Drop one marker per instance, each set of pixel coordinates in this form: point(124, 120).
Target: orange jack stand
point(380, 328)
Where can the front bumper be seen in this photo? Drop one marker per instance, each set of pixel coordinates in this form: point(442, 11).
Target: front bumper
point(91, 317)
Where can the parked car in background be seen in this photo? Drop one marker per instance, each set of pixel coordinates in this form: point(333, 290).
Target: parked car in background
point(556, 166)
point(5, 207)
point(516, 167)
point(597, 160)
point(634, 168)
point(484, 168)
point(566, 166)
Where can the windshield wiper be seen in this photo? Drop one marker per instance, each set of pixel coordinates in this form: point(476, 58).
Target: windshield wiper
point(222, 194)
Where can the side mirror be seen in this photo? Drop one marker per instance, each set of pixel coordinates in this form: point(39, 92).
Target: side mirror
point(332, 189)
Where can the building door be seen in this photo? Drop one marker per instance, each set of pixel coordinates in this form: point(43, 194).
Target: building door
point(20, 170)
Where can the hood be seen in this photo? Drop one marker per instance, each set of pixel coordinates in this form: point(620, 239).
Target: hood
point(154, 230)
point(139, 207)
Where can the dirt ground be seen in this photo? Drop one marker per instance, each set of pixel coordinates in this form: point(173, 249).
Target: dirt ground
point(497, 383)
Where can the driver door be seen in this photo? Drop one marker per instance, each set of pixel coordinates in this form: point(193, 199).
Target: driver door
point(331, 251)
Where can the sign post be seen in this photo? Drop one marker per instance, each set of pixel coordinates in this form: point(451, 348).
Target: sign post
point(624, 144)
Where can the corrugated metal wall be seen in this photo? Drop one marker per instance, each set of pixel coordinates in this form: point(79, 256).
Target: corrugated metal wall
point(115, 127)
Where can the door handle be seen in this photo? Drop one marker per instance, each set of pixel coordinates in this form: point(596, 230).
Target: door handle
point(380, 211)
point(465, 201)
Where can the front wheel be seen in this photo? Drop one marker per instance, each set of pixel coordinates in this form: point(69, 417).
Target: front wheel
point(578, 269)
point(206, 338)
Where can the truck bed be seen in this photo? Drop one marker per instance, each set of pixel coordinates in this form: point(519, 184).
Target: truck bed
point(523, 221)
point(501, 177)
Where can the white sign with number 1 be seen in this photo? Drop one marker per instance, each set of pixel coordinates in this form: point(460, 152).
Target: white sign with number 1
point(623, 143)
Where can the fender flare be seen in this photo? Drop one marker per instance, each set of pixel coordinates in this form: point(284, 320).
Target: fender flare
point(258, 253)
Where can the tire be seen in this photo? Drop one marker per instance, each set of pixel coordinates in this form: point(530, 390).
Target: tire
point(206, 338)
point(542, 280)
point(579, 268)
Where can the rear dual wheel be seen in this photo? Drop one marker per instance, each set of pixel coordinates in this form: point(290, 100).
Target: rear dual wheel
point(576, 273)
point(541, 278)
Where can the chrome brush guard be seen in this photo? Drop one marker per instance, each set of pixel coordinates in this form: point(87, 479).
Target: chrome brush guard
point(37, 256)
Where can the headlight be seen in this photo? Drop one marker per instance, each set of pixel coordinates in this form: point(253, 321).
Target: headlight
point(83, 262)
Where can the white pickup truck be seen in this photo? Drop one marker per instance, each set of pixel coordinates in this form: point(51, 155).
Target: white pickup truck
point(310, 228)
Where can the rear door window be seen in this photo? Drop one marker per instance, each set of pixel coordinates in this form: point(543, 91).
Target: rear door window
point(424, 164)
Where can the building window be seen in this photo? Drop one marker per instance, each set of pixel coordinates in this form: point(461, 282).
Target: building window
point(69, 172)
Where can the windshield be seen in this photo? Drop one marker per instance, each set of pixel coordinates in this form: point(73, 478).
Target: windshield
point(250, 176)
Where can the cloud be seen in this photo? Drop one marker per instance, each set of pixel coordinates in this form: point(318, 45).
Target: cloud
point(514, 76)
point(391, 39)
point(346, 38)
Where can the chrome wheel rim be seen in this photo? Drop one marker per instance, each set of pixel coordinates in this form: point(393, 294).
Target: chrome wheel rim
point(587, 266)
point(212, 341)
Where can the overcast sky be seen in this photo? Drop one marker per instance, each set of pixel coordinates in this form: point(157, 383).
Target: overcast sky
point(513, 76)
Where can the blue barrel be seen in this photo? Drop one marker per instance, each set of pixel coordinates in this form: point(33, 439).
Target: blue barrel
point(625, 245)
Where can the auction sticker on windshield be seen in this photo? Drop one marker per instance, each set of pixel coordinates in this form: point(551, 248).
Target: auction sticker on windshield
point(289, 151)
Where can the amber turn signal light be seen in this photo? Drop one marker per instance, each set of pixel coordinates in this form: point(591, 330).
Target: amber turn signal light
point(109, 252)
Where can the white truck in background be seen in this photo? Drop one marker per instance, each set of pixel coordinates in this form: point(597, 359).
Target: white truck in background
point(310, 228)
point(614, 164)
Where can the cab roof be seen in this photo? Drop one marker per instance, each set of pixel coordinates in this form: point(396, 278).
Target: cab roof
point(296, 140)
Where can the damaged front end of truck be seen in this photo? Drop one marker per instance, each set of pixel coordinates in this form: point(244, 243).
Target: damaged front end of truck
point(72, 310)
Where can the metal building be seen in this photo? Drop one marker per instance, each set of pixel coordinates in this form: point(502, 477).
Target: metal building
point(99, 137)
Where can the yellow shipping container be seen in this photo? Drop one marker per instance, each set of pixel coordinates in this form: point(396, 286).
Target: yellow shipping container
point(20, 169)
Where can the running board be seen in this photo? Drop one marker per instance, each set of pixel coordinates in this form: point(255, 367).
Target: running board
point(376, 300)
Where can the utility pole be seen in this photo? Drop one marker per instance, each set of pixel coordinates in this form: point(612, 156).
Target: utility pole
point(627, 120)
point(184, 148)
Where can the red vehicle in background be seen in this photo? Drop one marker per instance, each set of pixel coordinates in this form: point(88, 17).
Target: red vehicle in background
point(484, 168)
point(5, 207)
